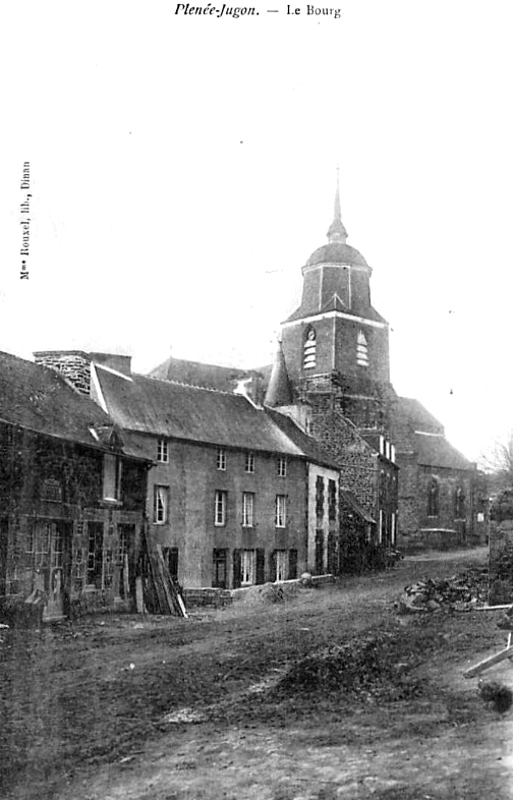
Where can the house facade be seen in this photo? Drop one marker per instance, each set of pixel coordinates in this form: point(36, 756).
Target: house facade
point(71, 498)
point(229, 491)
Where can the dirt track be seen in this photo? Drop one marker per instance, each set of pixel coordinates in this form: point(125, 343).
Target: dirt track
point(87, 707)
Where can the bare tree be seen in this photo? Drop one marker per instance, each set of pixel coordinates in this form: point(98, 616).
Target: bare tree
point(497, 462)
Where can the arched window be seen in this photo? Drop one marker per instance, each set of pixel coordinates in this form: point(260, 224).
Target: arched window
point(362, 353)
point(309, 350)
point(433, 505)
point(459, 503)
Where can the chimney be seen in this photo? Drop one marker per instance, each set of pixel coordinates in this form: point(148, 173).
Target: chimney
point(75, 365)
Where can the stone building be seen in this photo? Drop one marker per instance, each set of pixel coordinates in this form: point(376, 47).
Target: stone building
point(439, 503)
point(334, 361)
point(71, 497)
point(237, 494)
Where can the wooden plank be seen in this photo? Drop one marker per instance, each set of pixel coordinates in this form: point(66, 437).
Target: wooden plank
point(492, 608)
point(139, 598)
point(489, 662)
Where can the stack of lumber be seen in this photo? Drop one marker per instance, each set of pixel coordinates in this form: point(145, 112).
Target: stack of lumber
point(162, 594)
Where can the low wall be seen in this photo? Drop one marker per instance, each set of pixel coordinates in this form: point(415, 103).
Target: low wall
point(223, 597)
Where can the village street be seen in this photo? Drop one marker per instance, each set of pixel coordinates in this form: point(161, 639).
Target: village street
point(140, 707)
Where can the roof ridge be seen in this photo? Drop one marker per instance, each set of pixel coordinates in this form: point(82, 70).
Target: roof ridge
point(186, 385)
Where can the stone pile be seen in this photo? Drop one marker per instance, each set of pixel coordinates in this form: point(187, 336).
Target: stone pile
point(460, 592)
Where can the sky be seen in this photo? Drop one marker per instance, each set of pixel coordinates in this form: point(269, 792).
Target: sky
point(183, 168)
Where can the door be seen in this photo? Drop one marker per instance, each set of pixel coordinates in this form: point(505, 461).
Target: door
point(58, 564)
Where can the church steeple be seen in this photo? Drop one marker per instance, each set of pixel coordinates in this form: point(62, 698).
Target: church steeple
point(337, 231)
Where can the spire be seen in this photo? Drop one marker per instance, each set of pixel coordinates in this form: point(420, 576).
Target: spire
point(279, 391)
point(337, 231)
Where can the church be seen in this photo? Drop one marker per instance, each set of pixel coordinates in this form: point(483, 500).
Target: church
point(332, 375)
point(402, 484)
point(334, 360)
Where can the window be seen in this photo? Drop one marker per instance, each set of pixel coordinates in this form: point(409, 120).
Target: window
point(433, 498)
point(221, 458)
point(309, 355)
point(220, 508)
point(281, 511)
point(332, 499)
point(281, 559)
point(319, 496)
point(160, 504)
point(282, 467)
point(459, 503)
point(95, 554)
point(111, 477)
point(248, 509)
point(42, 545)
point(163, 451)
point(250, 462)
point(362, 354)
point(248, 567)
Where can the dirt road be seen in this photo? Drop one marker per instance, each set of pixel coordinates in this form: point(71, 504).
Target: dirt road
point(217, 707)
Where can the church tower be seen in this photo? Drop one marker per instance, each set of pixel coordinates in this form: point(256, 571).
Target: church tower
point(336, 343)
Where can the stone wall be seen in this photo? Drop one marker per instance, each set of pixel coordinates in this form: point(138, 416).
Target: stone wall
point(75, 365)
point(501, 562)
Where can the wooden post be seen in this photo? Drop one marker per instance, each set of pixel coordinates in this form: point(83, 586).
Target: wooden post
point(489, 662)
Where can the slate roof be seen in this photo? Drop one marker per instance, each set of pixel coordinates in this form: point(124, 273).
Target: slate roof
point(195, 373)
point(353, 503)
point(41, 400)
point(336, 305)
point(336, 253)
point(307, 444)
point(434, 450)
point(166, 408)
point(419, 417)
point(279, 389)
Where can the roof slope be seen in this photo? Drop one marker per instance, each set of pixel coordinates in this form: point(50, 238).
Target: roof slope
point(418, 416)
point(350, 499)
point(279, 390)
point(334, 305)
point(195, 373)
point(166, 408)
point(40, 399)
point(434, 450)
point(306, 444)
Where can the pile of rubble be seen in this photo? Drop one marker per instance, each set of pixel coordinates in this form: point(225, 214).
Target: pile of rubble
point(460, 592)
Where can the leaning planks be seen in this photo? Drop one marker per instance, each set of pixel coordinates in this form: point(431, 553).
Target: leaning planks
point(165, 596)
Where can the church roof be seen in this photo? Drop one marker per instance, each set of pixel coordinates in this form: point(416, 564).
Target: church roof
point(279, 390)
point(335, 304)
point(165, 408)
point(435, 451)
point(418, 417)
point(196, 373)
point(40, 399)
point(336, 253)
